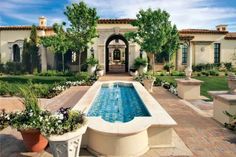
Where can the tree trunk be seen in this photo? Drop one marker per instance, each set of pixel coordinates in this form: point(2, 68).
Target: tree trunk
point(63, 62)
point(79, 62)
point(153, 62)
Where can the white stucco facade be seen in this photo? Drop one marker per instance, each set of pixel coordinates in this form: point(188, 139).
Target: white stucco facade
point(202, 43)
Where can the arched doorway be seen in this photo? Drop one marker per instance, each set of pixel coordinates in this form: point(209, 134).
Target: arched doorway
point(117, 53)
point(16, 53)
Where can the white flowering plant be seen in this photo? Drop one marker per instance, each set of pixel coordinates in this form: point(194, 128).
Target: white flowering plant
point(75, 83)
point(30, 118)
point(4, 119)
point(63, 121)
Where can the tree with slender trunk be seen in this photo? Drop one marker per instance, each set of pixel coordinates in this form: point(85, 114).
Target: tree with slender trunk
point(153, 31)
point(58, 43)
point(82, 30)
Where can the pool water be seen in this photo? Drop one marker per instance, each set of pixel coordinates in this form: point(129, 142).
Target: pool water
point(118, 102)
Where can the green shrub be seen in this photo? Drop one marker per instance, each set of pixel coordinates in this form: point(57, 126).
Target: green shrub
point(163, 73)
point(177, 73)
point(206, 73)
point(140, 62)
point(92, 61)
point(204, 67)
point(228, 66)
point(214, 72)
point(2, 69)
point(168, 66)
point(13, 68)
point(40, 90)
point(83, 76)
point(3, 88)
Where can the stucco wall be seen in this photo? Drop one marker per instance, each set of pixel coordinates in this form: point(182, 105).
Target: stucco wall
point(107, 30)
point(10, 36)
point(203, 49)
point(228, 51)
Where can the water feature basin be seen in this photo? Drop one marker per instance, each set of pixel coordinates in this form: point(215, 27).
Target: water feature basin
point(124, 119)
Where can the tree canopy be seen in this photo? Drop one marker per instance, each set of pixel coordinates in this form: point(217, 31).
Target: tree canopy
point(79, 33)
point(30, 54)
point(155, 33)
point(59, 43)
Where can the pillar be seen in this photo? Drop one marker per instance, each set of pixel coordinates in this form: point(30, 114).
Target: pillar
point(188, 70)
point(190, 56)
point(42, 51)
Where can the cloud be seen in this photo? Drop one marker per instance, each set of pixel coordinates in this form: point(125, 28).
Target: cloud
point(184, 13)
point(28, 11)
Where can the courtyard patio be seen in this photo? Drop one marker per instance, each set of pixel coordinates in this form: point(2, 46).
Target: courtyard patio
point(202, 135)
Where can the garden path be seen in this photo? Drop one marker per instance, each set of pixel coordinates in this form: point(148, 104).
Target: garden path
point(204, 136)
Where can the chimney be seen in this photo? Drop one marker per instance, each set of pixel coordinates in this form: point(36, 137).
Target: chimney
point(221, 28)
point(42, 21)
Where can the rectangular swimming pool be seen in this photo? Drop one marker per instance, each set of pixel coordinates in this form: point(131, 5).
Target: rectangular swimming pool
point(118, 102)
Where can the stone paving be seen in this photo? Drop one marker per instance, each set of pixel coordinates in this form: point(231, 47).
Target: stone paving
point(202, 135)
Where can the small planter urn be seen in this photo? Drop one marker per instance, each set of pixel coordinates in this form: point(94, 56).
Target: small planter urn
point(33, 140)
point(232, 83)
point(148, 84)
point(142, 69)
point(188, 73)
point(134, 73)
point(92, 69)
point(68, 144)
point(100, 72)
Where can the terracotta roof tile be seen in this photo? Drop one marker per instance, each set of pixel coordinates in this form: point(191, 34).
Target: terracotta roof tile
point(115, 21)
point(23, 28)
point(230, 36)
point(186, 37)
point(201, 31)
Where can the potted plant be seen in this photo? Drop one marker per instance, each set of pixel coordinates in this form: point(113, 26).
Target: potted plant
point(141, 64)
point(64, 130)
point(100, 70)
point(133, 71)
point(92, 65)
point(29, 121)
point(148, 81)
point(168, 67)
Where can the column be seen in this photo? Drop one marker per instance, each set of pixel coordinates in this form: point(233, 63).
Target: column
point(188, 70)
point(190, 56)
point(42, 51)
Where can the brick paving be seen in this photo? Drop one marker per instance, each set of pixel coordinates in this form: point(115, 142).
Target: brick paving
point(203, 136)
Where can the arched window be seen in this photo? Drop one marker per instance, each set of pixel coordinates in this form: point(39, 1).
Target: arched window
point(16, 53)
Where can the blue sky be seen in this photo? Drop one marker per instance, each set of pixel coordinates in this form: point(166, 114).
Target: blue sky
point(184, 13)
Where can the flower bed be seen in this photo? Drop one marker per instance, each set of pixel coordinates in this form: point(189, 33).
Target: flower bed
point(43, 86)
point(171, 86)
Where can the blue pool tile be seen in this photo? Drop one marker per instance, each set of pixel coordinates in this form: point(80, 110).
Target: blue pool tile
point(118, 103)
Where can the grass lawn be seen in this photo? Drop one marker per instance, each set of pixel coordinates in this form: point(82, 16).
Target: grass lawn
point(211, 83)
point(9, 85)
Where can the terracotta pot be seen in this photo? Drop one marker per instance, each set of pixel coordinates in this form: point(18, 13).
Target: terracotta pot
point(33, 140)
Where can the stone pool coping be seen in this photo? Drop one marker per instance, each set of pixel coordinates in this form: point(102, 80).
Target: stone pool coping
point(159, 117)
